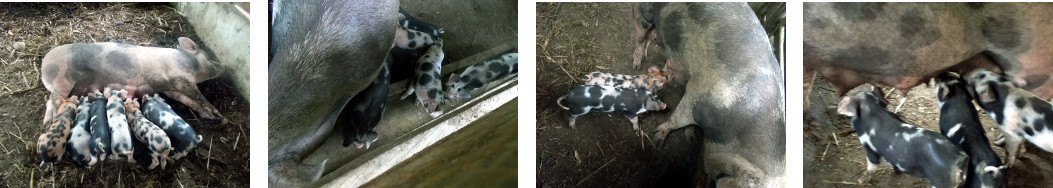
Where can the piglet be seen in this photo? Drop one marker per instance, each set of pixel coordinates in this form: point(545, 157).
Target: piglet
point(960, 122)
point(100, 128)
point(908, 148)
point(475, 76)
point(1019, 114)
point(182, 136)
point(427, 84)
point(121, 139)
point(78, 148)
point(414, 34)
point(652, 81)
point(408, 22)
point(51, 145)
point(584, 98)
point(148, 133)
point(363, 112)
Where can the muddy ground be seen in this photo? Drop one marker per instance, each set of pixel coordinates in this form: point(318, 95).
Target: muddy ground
point(222, 157)
point(833, 156)
point(604, 150)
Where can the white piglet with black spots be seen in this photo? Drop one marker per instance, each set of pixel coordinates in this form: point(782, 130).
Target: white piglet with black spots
point(475, 76)
point(182, 136)
point(147, 132)
point(427, 84)
point(584, 98)
point(121, 143)
point(1019, 113)
point(79, 146)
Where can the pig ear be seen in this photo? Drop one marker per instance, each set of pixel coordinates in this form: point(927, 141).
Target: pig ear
point(986, 93)
point(847, 107)
point(188, 45)
point(653, 70)
point(450, 81)
point(944, 90)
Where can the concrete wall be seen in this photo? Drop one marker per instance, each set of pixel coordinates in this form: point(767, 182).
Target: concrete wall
point(224, 28)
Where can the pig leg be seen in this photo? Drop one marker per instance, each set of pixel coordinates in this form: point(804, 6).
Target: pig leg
point(153, 161)
point(681, 117)
point(873, 160)
point(572, 118)
point(635, 120)
point(641, 46)
point(1012, 143)
point(809, 80)
point(192, 97)
point(731, 170)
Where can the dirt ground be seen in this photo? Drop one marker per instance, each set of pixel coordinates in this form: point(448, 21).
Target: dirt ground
point(574, 39)
point(833, 156)
point(604, 150)
point(221, 159)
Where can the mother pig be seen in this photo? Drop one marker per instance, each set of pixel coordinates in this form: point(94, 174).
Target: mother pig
point(79, 68)
point(904, 44)
point(322, 52)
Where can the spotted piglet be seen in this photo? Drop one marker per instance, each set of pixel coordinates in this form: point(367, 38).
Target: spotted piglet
point(427, 85)
point(584, 98)
point(100, 128)
point(652, 81)
point(121, 142)
point(1019, 114)
point(479, 74)
point(51, 145)
point(79, 146)
point(908, 148)
point(414, 34)
point(147, 132)
point(182, 136)
point(960, 122)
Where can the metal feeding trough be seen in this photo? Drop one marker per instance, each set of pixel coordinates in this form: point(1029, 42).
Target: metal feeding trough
point(406, 129)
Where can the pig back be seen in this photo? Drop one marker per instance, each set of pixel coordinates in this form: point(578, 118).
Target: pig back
point(82, 67)
point(735, 84)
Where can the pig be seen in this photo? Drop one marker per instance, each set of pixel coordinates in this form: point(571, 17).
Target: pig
point(961, 124)
point(51, 146)
point(902, 45)
point(364, 111)
point(910, 149)
point(652, 81)
point(1019, 114)
point(182, 136)
point(79, 146)
point(408, 22)
point(321, 53)
point(427, 84)
point(153, 137)
point(81, 67)
point(584, 98)
point(100, 128)
point(477, 75)
point(121, 139)
point(733, 90)
point(414, 34)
